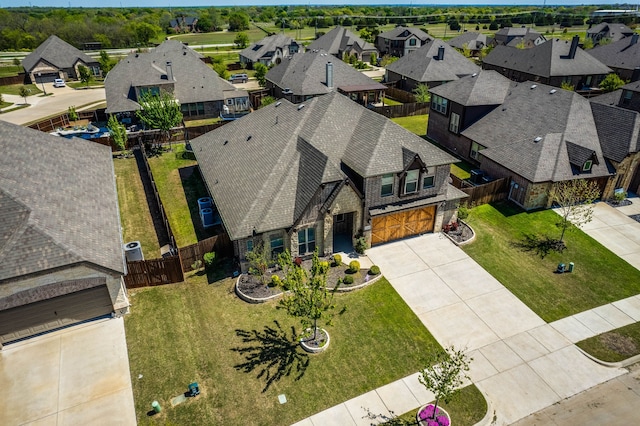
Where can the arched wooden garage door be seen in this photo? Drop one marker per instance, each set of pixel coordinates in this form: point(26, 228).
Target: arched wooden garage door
point(402, 224)
point(47, 315)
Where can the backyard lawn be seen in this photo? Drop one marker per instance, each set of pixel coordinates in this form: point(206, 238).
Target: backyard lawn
point(599, 277)
point(135, 218)
point(243, 356)
point(180, 185)
point(416, 124)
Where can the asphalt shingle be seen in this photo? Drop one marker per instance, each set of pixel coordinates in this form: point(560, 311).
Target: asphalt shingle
point(58, 53)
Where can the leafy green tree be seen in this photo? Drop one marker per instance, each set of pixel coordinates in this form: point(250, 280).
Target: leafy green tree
point(106, 62)
point(367, 35)
point(261, 73)
point(221, 69)
point(267, 100)
point(587, 43)
point(238, 21)
point(216, 19)
point(388, 60)
point(566, 85)
point(308, 298)
point(72, 113)
point(575, 199)
point(259, 259)
point(612, 82)
point(241, 40)
point(374, 59)
point(493, 26)
point(145, 32)
point(85, 75)
point(445, 373)
point(421, 93)
point(24, 91)
point(118, 132)
point(160, 111)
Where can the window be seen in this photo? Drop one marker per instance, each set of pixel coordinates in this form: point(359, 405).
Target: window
point(454, 123)
point(306, 241)
point(229, 101)
point(475, 148)
point(428, 182)
point(277, 245)
point(439, 104)
point(627, 94)
point(587, 82)
point(411, 182)
point(250, 245)
point(152, 90)
point(412, 42)
point(587, 165)
point(340, 217)
point(387, 185)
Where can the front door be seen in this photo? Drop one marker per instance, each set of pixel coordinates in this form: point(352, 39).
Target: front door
point(343, 232)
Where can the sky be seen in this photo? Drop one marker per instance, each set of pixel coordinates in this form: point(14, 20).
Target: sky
point(179, 3)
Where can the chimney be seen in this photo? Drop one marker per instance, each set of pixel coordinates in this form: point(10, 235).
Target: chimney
point(440, 53)
point(634, 39)
point(574, 47)
point(329, 75)
point(169, 71)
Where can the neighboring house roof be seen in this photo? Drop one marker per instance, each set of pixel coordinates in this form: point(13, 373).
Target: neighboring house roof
point(614, 31)
point(56, 52)
point(265, 47)
point(485, 88)
point(549, 59)
point(58, 204)
point(403, 33)
point(339, 40)
point(622, 54)
point(190, 21)
point(193, 81)
point(305, 74)
point(469, 40)
point(618, 130)
point(174, 46)
point(423, 64)
point(504, 35)
point(262, 170)
point(540, 133)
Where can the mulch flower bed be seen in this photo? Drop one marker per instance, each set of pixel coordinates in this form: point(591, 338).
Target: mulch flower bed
point(252, 286)
point(625, 202)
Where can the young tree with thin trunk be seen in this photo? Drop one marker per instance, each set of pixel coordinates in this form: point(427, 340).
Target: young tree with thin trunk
point(445, 374)
point(575, 200)
point(118, 132)
point(160, 111)
point(259, 259)
point(422, 93)
point(24, 91)
point(85, 75)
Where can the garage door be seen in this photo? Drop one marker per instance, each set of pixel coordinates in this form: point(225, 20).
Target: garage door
point(403, 224)
point(46, 78)
point(39, 317)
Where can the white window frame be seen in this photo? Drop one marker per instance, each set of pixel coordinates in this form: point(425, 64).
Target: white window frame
point(411, 181)
point(454, 123)
point(474, 152)
point(307, 241)
point(439, 104)
point(424, 183)
point(383, 184)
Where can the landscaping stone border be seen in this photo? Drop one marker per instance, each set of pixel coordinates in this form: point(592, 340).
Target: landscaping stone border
point(359, 286)
point(469, 241)
point(314, 350)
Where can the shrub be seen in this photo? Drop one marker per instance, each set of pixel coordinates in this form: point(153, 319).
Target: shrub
point(354, 266)
point(209, 259)
point(323, 266)
point(196, 265)
point(275, 281)
point(337, 260)
point(348, 280)
point(619, 196)
point(361, 245)
point(463, 211)
point(375, 270)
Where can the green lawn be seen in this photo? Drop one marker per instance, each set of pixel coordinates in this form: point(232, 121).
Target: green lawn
point(615, 345)
point(600, 277)
point(5, 104)
point(7, 70)
point(391, 102)
point(81, 85)
point(180, 185)
point(135, 218)
point(244, 356)
point(416, 124)
point(461, 169)
point(202, 122)
point(14, 89)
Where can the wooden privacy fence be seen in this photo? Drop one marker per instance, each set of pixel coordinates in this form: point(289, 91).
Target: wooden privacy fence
point(194, 132)
point(404, 110)
point(144, 273)
point(13, 79)
point(221, 244)
point(53, 123)
point(399, 94)
point(483, 194)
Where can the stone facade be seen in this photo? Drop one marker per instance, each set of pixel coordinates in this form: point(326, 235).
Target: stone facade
point(625, 172)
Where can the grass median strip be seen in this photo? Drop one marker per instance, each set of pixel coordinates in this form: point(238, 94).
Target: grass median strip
point(615, 345)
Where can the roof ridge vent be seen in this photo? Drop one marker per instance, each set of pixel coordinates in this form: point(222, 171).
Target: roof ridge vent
point(533, 86)
point(552, 91)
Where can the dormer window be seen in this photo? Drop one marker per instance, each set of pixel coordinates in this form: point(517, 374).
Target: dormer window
point(411, 181)
point(586, 167)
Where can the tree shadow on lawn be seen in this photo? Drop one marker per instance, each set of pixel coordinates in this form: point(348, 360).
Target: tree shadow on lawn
point(507, 208)
point(272, 353)
point(541, 246)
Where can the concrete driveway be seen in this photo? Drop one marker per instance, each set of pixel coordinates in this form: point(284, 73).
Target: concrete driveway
point(76, 376)
point(45, 106)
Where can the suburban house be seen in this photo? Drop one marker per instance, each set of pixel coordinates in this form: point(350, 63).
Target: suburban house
point(184, 24)
point(61, 252)
point(609, 31)
point(316, 73)
point(270, 50)
point(555, 62)
point(401, 41)
point(340, 41)
point(537, 136)
point(432, 64)
point(56, 58)
point(177, 69)
point(320, 174)
point(474, 42)
point(622, 56)
point(507, 35)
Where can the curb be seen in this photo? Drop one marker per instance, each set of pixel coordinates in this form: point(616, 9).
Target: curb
point(620, 364)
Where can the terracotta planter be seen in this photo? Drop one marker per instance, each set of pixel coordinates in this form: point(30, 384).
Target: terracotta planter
point(441, 413)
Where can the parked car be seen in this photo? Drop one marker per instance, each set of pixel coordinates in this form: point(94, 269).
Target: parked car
point(238, 78)
point(58, 82)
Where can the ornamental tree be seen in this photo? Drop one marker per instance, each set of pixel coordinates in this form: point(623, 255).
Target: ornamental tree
point(117, 132)
point(84, 74)
point(612, 82)
point(261, 73)
point(159, 111)
point(575, 200)
point(259, 259)
point(445, 374)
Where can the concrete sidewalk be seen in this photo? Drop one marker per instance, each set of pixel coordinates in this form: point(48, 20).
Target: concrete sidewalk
point(520, 362)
